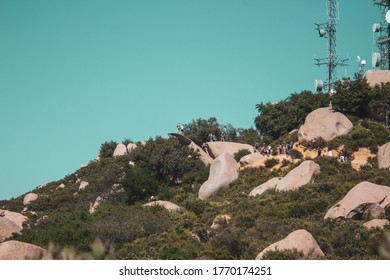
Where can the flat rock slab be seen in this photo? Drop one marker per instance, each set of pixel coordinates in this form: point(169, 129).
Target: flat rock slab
point(300, 240)
point(219, 147)
point(15, 250)
point(324, 123)
point(299, 176)
point(269, 185)
point(250, 159)
point(223, 171)
point(171, 207)
point(365, 196)
point(376, 223)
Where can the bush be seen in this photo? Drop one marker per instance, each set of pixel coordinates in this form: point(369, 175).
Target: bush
point(107, 149)
point(241, 153)
point(269, 163)
point(295, 154)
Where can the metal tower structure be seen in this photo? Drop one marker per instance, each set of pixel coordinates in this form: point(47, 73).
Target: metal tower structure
point(332, 61)
point(382, 57)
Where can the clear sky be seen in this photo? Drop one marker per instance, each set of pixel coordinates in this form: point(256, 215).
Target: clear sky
point(77, 73)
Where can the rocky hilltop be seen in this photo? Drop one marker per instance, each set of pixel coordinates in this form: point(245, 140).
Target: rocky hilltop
point(210, 191)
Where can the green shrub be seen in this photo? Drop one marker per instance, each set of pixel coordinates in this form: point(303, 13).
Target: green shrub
point(295, 154)
point(269, 163)
point(241, 153)
point(283, 255)
point(107, 149)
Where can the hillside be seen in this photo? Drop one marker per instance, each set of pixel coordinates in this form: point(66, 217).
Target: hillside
point(106, 198)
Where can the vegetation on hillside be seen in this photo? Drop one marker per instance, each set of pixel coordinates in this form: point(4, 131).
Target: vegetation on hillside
point(169, 171)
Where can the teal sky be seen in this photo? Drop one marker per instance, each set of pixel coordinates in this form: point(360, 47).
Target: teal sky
point(76, 73)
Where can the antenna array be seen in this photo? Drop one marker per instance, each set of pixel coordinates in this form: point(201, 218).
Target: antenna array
point(328, 31)
point(382, 57)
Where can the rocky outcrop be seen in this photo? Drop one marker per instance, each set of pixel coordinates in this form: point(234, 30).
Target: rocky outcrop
point(15, 250)
point(383, 156)
point(92, 207)
point(83, 185)
point(250, 159)
point(269, 185)
point(120, 150)
point(300, 240)
point(377, 77)
point(324, 123)
point(299, 176)
point(61, 186)
point(30, 197)
point(376, 223)
point(130, 147)
point(223, 171)
point(220, 220)
point(219, 147)
point(15, 217)
point(10, 223)
point(365, 197)
point(171, 207)
point(116, 189)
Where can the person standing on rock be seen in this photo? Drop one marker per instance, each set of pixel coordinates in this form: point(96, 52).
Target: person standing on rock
point(178, 127)
point(182, 129)
point(222, 136)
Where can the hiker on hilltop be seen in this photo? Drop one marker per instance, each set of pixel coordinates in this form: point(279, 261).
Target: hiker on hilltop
point(222, 136)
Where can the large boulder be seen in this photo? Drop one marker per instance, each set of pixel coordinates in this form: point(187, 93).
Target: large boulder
point(14, 217)
point(383, 156)
point(171, 207)
point(269, 185)
point(324, 123)
point(15, 250)
point(223, 171)
point(83, 185)
point(250, 159)
point(365, 197)
point(30, 197)
point(377, 77)
point(219, 147)
point(299, 176)
point(120, 150)
point(7, 228)
point(300, 240)
point(130, 147)
point(376, 223)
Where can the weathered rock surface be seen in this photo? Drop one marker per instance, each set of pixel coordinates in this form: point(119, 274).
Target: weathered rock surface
point(166, 204)
point(301, 240)
point(15, 250)
point(92, 207)
point(376, 223)
point(223, 171)
point(7, 228)
point(120, 150)
point(269, 185)
point(61, 186)
point(365, 197)
point(384, 156)
point(375, 77)
point(250, 159)
point(15, 217)
point(219, 147)
point(219, 220)
point(299, 176)
point(83, 185)
point(324, 123)
point(130, 147)
point(30, 197)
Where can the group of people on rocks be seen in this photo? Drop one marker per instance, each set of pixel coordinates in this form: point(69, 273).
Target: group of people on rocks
point(268, 150)
point(343, 156)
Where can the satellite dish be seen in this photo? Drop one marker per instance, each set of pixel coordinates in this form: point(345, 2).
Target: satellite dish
point(376, 59)
point(318, 85)
point(388, 16)
point(376, 27)
point(321, 32)
point(363, 62)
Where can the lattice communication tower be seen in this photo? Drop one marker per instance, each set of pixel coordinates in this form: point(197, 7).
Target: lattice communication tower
point(381, 58)
point(332, 61)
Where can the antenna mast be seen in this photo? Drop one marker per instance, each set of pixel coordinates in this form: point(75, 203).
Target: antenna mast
point(382, 57)
point(328, 30)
